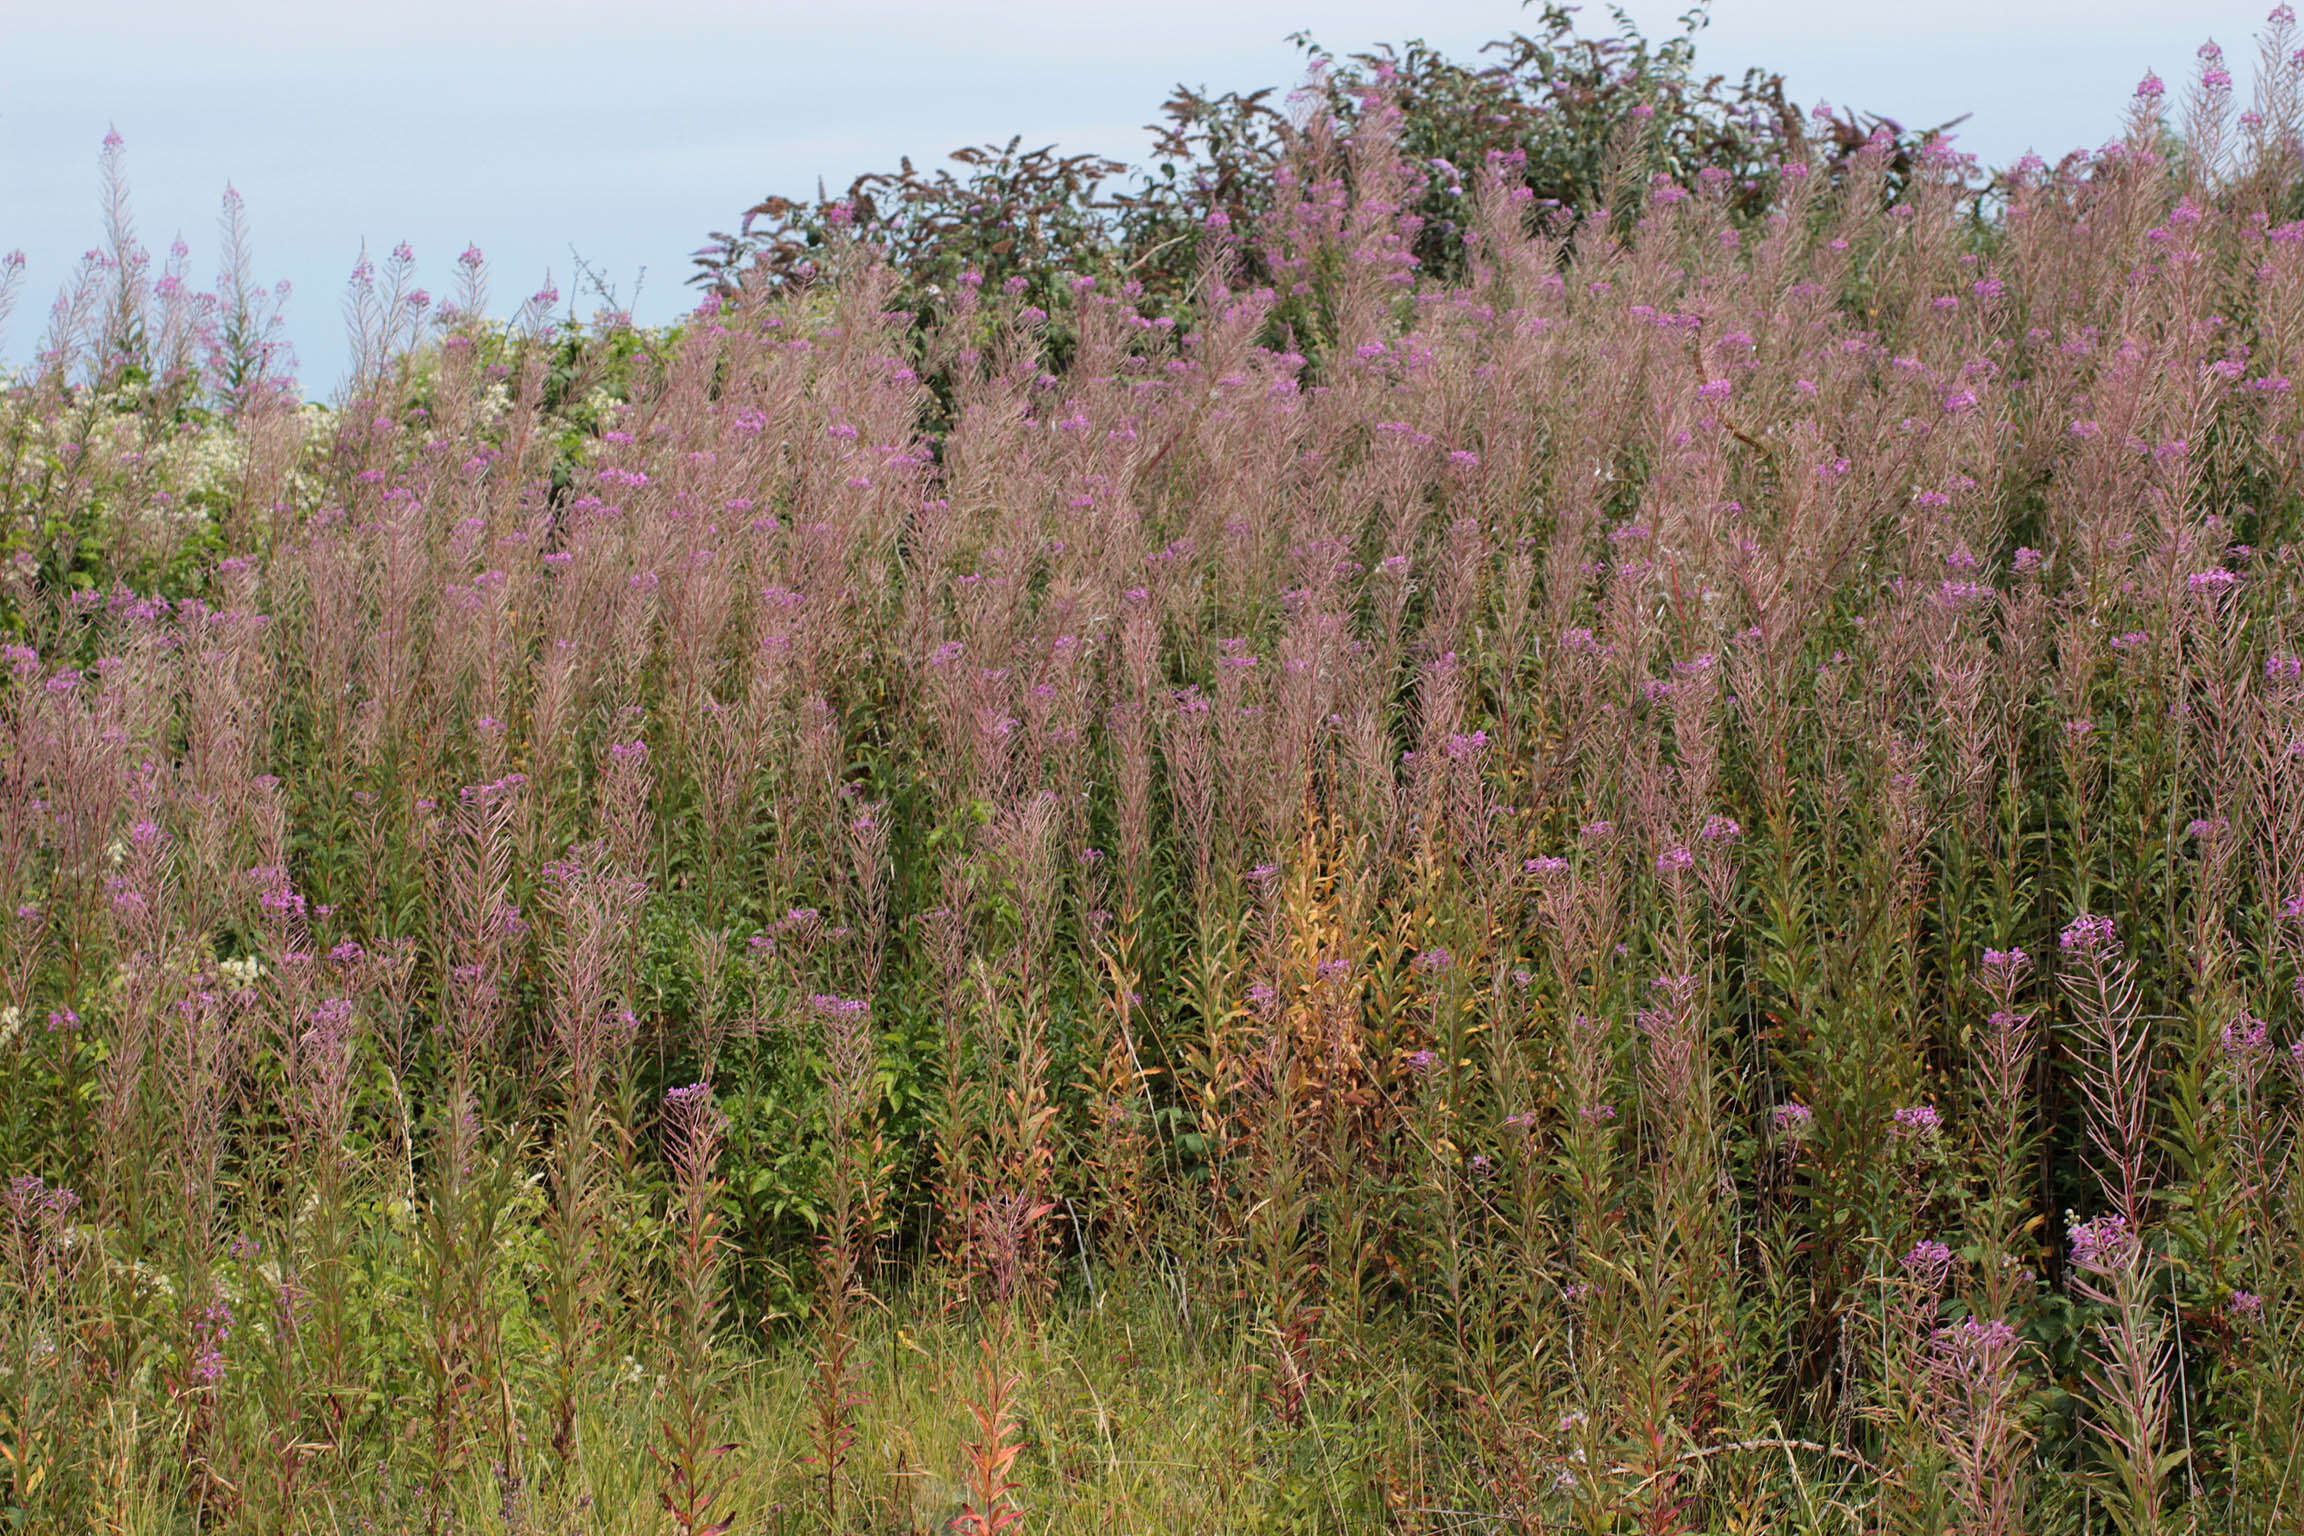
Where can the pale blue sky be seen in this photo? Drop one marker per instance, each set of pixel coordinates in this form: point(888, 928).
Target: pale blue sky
point(628, 130)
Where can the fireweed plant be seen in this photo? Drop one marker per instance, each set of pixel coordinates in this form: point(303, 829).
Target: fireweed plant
point(1660, 888)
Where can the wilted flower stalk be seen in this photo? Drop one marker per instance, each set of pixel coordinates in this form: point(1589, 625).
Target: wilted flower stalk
point(592, 906)
point(2131, 1370)
point(688, 1454)
point(868, 851)
point(850, 1224)
point(1976, 1386)
point(2113, 1044)
point(2003, 1093)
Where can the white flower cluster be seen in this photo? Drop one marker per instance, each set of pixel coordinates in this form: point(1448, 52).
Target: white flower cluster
point(243, 973)
point(207, 465)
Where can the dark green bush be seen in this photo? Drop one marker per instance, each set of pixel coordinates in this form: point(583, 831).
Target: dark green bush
point(1581, 122)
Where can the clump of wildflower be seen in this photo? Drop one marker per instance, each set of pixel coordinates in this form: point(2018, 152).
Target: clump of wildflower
point(2003, 967)
point(2102, 1245)
point(211, 1332)
point(2088, 934)
point(29, 1195)
point(1973, 1342)
point(1918, 1123)
point(1793, 1122)
point(1929, 1262)
point(2246, 1040)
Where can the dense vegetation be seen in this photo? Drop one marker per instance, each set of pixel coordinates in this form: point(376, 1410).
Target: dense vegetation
point(1629, 868)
